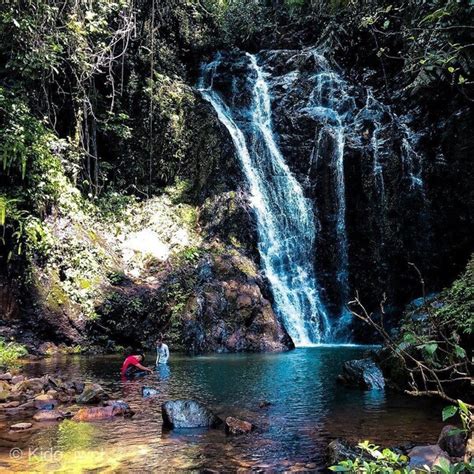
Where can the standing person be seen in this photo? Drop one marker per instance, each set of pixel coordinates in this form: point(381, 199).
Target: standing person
point(132, 365)
point(162, 351)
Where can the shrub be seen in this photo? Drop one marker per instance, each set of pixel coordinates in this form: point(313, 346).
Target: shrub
point(10, 352)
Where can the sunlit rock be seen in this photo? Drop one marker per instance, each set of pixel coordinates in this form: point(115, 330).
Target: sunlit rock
point(146, 242)
point(93, 393)
point(188, 414)
point(421, 456)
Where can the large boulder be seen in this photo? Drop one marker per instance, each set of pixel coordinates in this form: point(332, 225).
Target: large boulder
point(188, 414)
point(452, 441)
point(363, 373)
point(421, 456)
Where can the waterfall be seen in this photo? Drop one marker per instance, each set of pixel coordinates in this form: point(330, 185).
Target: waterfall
point(330, 105)
point(285, 221)
point(303, 241)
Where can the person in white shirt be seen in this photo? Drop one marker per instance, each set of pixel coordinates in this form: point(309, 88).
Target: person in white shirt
point(162, 352)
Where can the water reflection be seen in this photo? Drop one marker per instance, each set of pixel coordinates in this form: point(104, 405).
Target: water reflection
point(307, 410)
point(374, 400)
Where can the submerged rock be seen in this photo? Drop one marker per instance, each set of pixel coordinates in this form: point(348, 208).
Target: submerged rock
point(363, 373)
point(113, 408)
point(148, 392)
point(236, 427)
point(49, 415)
point(421, 456)
point(452, 441)
point(188, 414)
point(21, 426)
point(93, 393)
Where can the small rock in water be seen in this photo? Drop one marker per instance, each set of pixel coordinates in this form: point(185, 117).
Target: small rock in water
point(364, 373)
point(421, 456)
point(114, 408)
point(236, 427)
point(188, 414)
point(452, 441)
point(93, 393)
point(149, 392)
point(48, 415)
point(265, 404)
point(21, 426)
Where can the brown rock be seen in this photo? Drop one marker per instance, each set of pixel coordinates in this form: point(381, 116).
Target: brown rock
point(21, 426)
point(48, 415)
point(469, 448)
point(5, 386)
point(426, 456)
point(452, 441)
point(244, 301)
point(113, 408)
point(30, 385)
point(9, 405)
point(24, 406)
point(237, 427)
point(17, 379)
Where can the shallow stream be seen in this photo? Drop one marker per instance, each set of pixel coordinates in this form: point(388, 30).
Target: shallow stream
point(308, 410)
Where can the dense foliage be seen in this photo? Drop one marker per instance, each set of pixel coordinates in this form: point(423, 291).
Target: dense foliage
point(10, 352)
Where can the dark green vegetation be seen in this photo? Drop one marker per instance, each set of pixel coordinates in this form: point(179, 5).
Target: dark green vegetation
point(102, 136)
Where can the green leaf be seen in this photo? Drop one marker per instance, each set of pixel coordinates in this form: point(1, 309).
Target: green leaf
point(386, 24)
point(449, 411)
point(463, 407)
point(451, 69)
point(460, 352)
point(456, 431)
point(461, 79)
point(443, 464)
point(409, 338)
point(430, 348)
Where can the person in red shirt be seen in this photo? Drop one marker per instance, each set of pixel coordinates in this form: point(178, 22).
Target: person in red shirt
point(133, 365)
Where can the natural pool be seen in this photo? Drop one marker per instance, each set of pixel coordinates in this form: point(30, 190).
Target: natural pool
point(308, 410)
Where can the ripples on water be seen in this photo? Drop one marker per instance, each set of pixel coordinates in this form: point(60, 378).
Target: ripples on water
point(308, 410)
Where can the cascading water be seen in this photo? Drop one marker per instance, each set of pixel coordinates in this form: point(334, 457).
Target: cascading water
point(284, 216)
point(292, 228)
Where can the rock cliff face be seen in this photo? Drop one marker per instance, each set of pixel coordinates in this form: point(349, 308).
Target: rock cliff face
point(371, 172)
point(213, 303)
